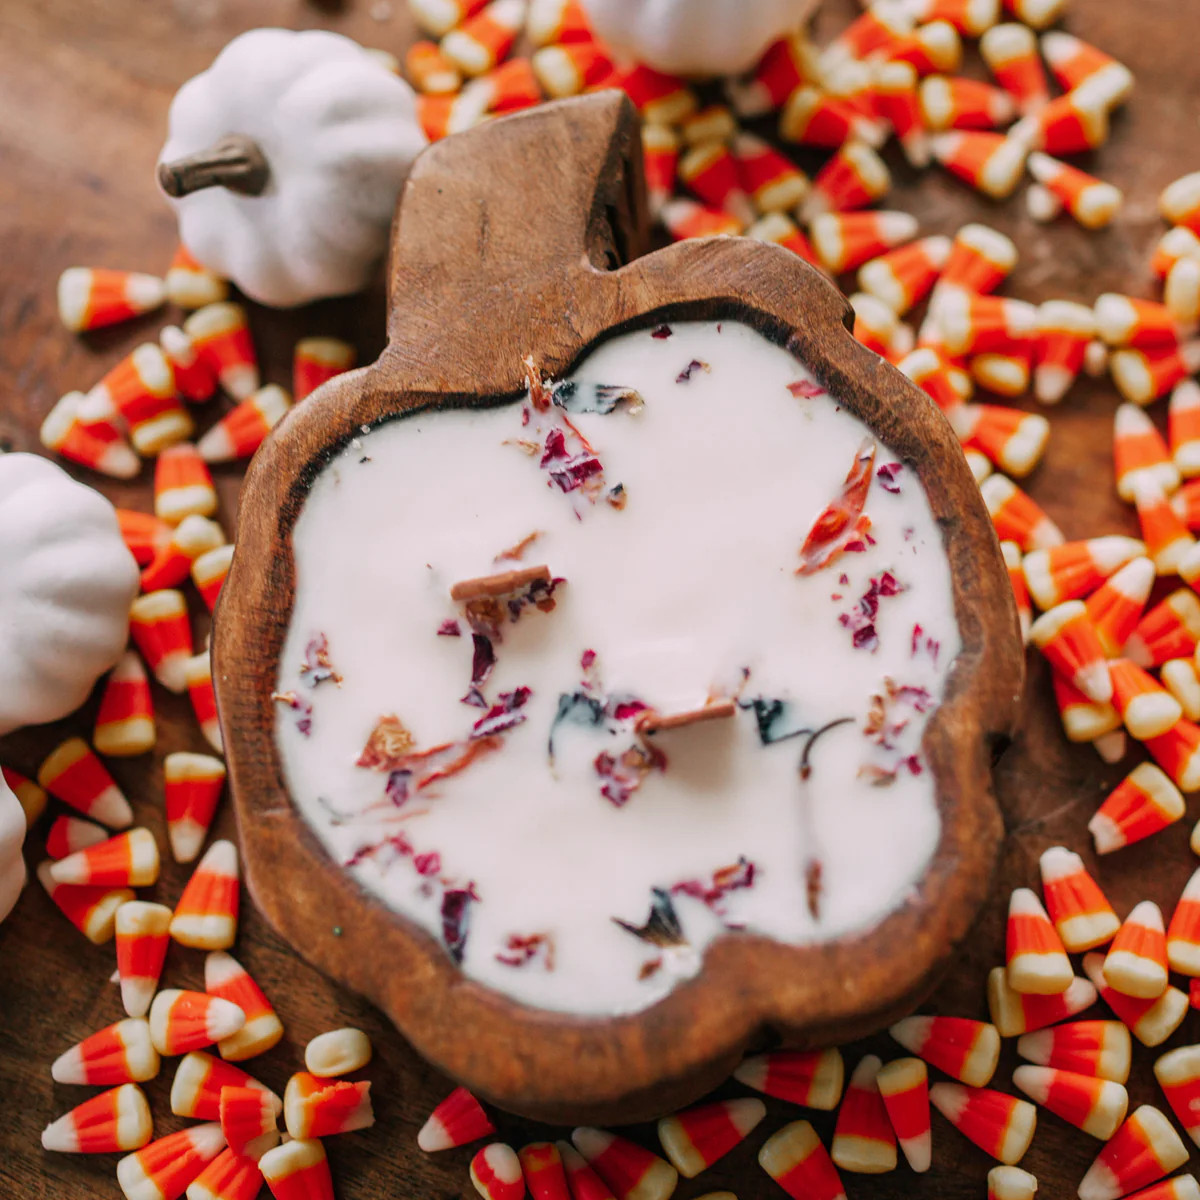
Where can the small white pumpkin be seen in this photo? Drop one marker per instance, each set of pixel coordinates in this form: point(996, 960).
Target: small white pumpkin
point(695, 37)
point(284, 161)
point(66, 583)
point(12, 836)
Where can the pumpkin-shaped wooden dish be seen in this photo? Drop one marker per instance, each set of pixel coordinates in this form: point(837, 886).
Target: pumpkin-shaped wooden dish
point(525, 238)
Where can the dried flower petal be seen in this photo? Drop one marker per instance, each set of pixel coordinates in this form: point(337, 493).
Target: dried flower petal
point(662, 927)
point(834, 527)
point(387, 747)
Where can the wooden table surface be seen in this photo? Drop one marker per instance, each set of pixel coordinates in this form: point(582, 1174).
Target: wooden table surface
point(84, 89)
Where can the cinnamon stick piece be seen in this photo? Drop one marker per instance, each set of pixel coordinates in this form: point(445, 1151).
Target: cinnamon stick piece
point(652, 722)
point(502, 584)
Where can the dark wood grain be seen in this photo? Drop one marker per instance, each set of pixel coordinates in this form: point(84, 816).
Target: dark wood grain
point(84, 88)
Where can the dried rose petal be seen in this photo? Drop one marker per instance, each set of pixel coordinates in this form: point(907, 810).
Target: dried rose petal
point(839, 521)
point(692, 367)
point(661, 332)
point(387, 747)
point(456, 915)
point(805, 389)
point(449, 628)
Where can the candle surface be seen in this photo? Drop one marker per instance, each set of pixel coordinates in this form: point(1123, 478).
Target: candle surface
point(489, 778)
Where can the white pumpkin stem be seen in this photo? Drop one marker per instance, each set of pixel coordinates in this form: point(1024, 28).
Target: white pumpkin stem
point(235, 162)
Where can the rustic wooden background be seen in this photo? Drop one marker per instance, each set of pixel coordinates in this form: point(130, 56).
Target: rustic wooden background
point(84, 89)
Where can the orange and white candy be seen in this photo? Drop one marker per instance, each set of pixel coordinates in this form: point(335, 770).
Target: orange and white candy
point(980, 324)
point(91, 297)
point(683, 218)
point(1167, 538)
point(1181, 293)
point(129, 859)
point(990, 162)
point(956, 102)
point(1178, 1074)
point(1179, 201)
point(1067, 638)
point(795, 1158)
point(440, 116)
point(1128, 321)
point(1146, 707)
point(660, 158)
point(1176, 244)
point(249, 1119)
point(159, 626)
point(198, 678)
point(209, 571)
point(772, 181)
point(1097, 1106)
point(661, 99)
point(1011, 54)
point(1011, 1183)
point(115, 1120)
point(457, 1120)
point(228, 1177)
point(315, 1107)
point(1083, 720)
point(1144, 1149)
point(1183, 931)
point(221, 334)
point(1064, 330)
point(190, 284)
point(1142, 375)
point(192, 785)
point(125, 719)
point(182, 1021)
point(1179, 677)
point(91, 910)
point(73, 774)
point(484, 39)
point(933, 46)
point(628, 1169)
point(207, 911)
point(1017, 517)
point(30, 796)
point(438, 17)
point(496, 1173)
point(167, 1166)
point(1015, 441)
point(1116, 607)
point(1073, 62)
point(141, 936)
point(583, 1182)
point(337, 1052)
point(969, 17)
point(1139, 452)
point(1070, 124)
point(930, 372)
point(1150, 1021)
point(1100, 1048)
point(195, 375)
point(1136, 963)
point(1183, 428)
point(430, 71)
point(863, 1139)
point(144, 535)
point(1177, 752)
point(1076, 569)
point(783, 231)
point(199, 1079)
point(1036, 961)
point(1091, 201)
point(1081, 913)
point(99, 445)
point(999, 1125)
point(903, 277)
point(140, 390)
point(193, 537)
point(1014, 1013)
point(226, 978)
point(1145, 802)
point(183, 485)
point(1171, 629)
point(316, 360)
point(812, 117)
point(69, 834)
point(897, 102)
point(875, 32)
point(545, 1175)
point(811, 1078)
point(508, 87)
point(853, 178)
point(568, 68)
point(244, 428)
point(981, 258)
point(297, 1170)
point(904, 1086)
point(784, 66)
point(965, 1049)
point(119, 1053)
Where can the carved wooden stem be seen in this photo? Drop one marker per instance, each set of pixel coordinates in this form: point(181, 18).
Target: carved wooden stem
point(235, 162)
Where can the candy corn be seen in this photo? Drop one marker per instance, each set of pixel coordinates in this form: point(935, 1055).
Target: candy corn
point(206, 914)
point(248, 1120)
point(195, 375)
point(128, 860)
point(1081, 914)
point(796, 1160)
point(1017, 517)
point(950, 102)
point(1116, 608)
point(90, 909)
point(1142, 804)
point(140, 390)
point(158, 624)
point(814, 118)
point(297, 1170)
point(197, 673)
point(583, 1182)
point(119, 1053)
point(1181, 293)
point(1067, 638)
point(570, 68)
point(164, 1169)
point(1144, 1149)
point(1183, 932)
point(1083, 720)
point(1176, 244)
point(440, 116)
point(69, 834)
point(199, 1079)
point(853, 178)
point(226, 978)
point(73, 774)
point(1011, 54)
point(1136, 963)
point(1143, 375)
point(897, 102)
point(125, 720)
point(1097, 1106)
point(1076, 569)
point(1073, 62)
point(545, 1176)
point(1140, 453)
point(182, 485)
point(1178, 753)
point(315, 1107)
point(1150, 1021)
point(192, 784)
point(192, 285)
point(115, 1120)
point(143, 535)
point(970, 17)
point(1178, 1074)
point(927, 369)
point(711, 172)
point(1112, 747)
point(1127, 321)
point(1013, 440)
point(624, 1166)
point(990, 162)
point(337, 1052)
point(141, 934)
point(863, 1139)
point(683, 218)
point(1146, 707)
point(181, 1021)
point(771, 180)
point(221, 334)
point(438, 17)
point(315, 361)
point(660, 156)
point(999, 1125)
point(1178, 1187)
point(1169, 630)
point(1092, 202)
point(1100, 1048)
point(208, 572)
point(195, 536)
point(228, 1177)
point(981, 258)
point(1037, 962)
point(811, 1078)
point(661, 99)
point(965, 1049)
point(496, 1173)
point(1180, 679)
point(1014, 1013)
point(91, 297)
point(99, 445)
point(875, 325)
point(901, 278)
point(1011, 1183)
point(242, 430)
point(696, 1138)
point(786, 64)
point(1063, 332)
point(430, 71)
point(484, 39)
point(904, 1086)
point(1183, 424)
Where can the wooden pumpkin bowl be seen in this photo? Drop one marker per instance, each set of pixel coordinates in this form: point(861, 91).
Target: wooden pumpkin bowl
point(525, 237)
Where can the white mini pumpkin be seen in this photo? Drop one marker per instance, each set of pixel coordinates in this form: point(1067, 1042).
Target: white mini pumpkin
point(284, 161)
point(12, 836)
point(695, 37)
point(66, 584)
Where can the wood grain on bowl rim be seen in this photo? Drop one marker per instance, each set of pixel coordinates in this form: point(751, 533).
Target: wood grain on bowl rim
point(524, 237)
